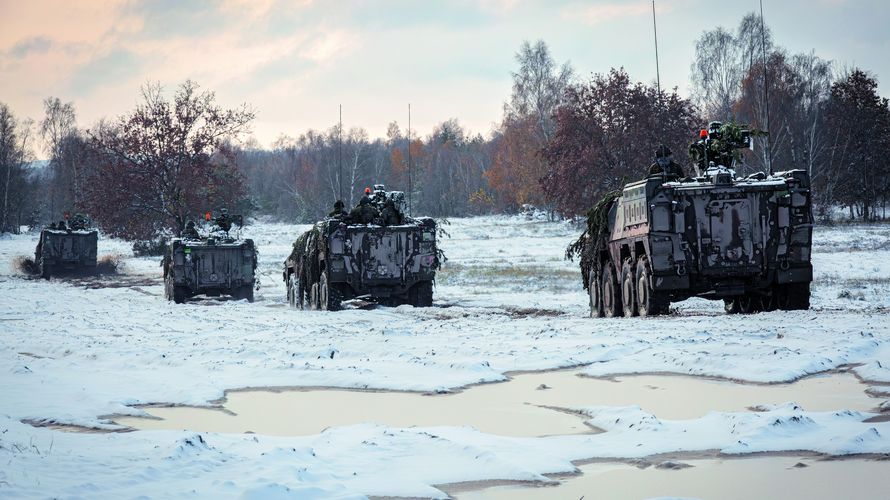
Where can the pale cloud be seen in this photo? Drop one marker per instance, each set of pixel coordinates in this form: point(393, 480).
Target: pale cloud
point(295, 61)
point(599, 13)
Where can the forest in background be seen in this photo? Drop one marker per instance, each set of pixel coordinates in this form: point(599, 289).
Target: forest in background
point(561, 142)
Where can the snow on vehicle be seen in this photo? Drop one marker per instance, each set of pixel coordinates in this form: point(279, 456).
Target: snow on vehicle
point(746, 241)
point(69, 246)
point(342, 258)
point(212, 265)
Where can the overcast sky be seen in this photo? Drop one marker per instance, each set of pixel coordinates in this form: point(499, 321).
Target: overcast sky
point(294, 61)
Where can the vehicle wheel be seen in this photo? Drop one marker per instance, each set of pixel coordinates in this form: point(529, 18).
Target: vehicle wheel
point(750, 303)
point(313, 296)
point(611, 291)
point(792, 296)
point(291, 293)
point(731, 306)
point(300, 298)
point(594, 290)
point(421, 294)
point(46, 270)
point(247, 292)
point(177, 294)
point(649, 301)
point(329, 296)
point(628, 289)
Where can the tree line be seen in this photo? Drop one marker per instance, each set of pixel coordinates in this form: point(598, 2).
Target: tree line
point(561, 143)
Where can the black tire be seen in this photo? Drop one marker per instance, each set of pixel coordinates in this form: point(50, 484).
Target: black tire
point(594, 292)
point(731, 306)
point(313, 296)
point(46, 271)
point(178, 294)
point(750, 303)
point(792, 296)
point(611, 291)
point(421, 294)
point(649, 301)
point(289, 289)
point(247, 292)
point(329, 296)
point(628, 289)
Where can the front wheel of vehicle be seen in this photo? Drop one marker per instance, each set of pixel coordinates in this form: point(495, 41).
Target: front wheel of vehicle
point(649, 301)
point(594, 290)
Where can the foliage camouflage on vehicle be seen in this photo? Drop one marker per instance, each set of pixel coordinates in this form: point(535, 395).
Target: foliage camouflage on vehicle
point(746, 241)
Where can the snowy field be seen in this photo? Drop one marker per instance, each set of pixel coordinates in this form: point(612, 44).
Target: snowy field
point(74, 353)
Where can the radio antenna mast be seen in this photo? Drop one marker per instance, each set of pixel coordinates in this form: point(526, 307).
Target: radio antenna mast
point(769, 151)
point(410, 184)
point(340, 153)
point(655, 32)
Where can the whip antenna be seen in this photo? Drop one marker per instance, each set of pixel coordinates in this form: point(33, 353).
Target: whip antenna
point(769, 151)
point(410, 186)
point(340, 153)
point(655, 32)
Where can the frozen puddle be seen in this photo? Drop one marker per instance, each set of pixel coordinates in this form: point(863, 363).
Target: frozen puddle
point(531, 404)
point(727, 479)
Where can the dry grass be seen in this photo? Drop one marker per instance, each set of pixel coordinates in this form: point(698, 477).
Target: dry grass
point(110, 264)
point(25, 265)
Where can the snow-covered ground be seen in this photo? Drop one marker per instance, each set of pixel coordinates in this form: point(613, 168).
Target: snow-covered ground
point(76, 352)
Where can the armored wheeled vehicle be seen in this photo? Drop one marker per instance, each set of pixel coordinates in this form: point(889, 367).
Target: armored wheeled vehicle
point(213, 264)
point(387, 257)
point(745, 241)
point(69, 246)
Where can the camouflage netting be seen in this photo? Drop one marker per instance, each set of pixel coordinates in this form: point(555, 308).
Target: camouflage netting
point(594, 237)
point(302, 255)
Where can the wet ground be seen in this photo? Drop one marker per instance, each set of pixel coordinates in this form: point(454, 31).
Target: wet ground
point(531, 404)
point(786, 477)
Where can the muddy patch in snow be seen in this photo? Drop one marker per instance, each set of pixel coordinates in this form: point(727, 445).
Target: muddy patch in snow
point(790, 477)
point(529, 404)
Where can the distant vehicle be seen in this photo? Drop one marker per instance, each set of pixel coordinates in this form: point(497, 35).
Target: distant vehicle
point(69, 246)
point(341, 258)
point(213, 265)
point(745, 241)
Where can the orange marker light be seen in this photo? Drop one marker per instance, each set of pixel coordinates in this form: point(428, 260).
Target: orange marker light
point(703, 134)
point(207, 216)
point(367, 190)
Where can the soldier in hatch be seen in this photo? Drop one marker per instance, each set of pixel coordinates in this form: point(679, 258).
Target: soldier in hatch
point(665, 164)
point(390, 214)
point(364, 213)
point(338, 209)
point(190, 232)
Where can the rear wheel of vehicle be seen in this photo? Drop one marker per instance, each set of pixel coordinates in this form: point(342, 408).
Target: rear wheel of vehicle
point(649, 301)
point(628, 289)
point(247, 293)
point(421, 294)
point(328, 295)
point(792, 296)
point(177, 294)
point(594, 289)
point(611, 291)
point(313, 296)
point(46, 270)
point(750, 303)
point(291, 293)
point(731, 306)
